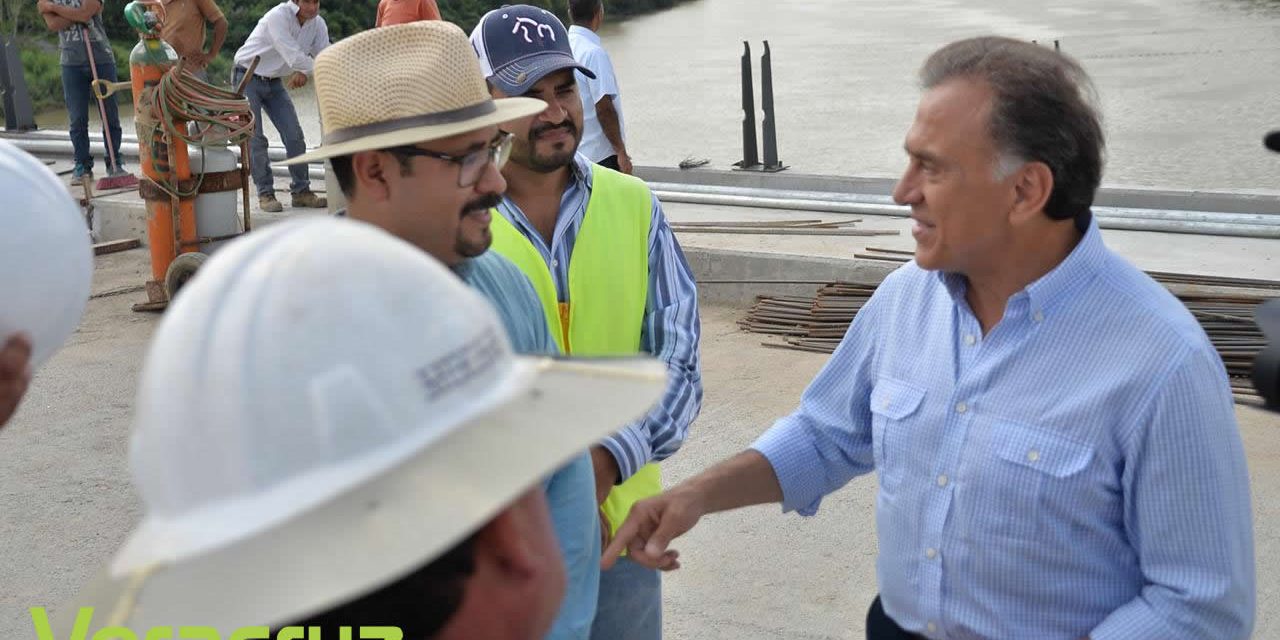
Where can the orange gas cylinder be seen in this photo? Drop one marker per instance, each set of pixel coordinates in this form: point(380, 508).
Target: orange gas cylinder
point(164, 157)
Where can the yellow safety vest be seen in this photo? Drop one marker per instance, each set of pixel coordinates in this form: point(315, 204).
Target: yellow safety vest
point(608, 287)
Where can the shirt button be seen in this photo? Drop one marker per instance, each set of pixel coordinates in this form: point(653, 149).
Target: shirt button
point(555, 263)
point(962, 407)
point(1033, 455)
point(933, 628)
point(930, 553)
point(943, 480)
point(970, 340)
point(1038, 316)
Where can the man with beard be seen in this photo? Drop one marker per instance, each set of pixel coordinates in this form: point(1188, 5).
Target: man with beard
point(422, 162)
point(610, 275)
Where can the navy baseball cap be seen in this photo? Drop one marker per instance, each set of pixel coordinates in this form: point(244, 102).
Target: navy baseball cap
point(519, 45)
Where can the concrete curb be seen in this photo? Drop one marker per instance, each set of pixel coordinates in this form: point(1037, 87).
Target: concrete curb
point(126, 218)
point(729, 277)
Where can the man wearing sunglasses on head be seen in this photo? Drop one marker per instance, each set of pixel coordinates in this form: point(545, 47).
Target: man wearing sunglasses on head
point(611, 277)
point(422, 162)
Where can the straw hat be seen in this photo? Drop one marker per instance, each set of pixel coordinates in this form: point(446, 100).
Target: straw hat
point(404, 84)
point(294, 451)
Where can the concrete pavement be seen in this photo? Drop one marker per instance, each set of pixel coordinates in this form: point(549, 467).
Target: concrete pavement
point(67, 502)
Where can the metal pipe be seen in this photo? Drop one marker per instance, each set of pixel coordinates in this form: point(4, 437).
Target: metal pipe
point(130, 150)
point(792, 204)
point(1129, 218)
point(759, 192)
point(1196, 228)
point(1126, 219)
point(860, 198)
point(129, 144)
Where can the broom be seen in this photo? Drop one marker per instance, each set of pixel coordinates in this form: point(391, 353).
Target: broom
point(124, 180)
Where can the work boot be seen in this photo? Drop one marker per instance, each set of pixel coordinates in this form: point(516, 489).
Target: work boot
point(309, 200)
point(80, 175)
point(269, 204)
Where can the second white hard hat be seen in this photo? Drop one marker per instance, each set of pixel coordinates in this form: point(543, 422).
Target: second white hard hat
point(325, 408)
point(46, 257)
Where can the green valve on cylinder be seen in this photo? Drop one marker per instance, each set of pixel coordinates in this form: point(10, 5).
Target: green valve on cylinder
point(150, 50)
point(140, 19)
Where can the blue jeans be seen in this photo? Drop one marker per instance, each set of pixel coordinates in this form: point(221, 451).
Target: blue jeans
point(272, 95)
point(630, 606)
point(75, 90)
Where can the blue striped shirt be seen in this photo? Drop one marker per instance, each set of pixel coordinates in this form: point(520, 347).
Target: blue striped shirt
point(1075, 472)
point(670, 330)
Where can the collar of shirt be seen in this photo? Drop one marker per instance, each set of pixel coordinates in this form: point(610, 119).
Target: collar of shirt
point(573, 204)
point(291, 6)
point(585, 33)
point(1087, 257)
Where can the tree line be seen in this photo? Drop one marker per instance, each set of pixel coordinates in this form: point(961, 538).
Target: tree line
point(19, 19)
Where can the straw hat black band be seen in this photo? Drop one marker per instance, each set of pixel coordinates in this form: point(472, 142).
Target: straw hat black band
point(423, 120)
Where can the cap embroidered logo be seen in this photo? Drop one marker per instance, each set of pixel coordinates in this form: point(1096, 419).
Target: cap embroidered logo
point(522, 27)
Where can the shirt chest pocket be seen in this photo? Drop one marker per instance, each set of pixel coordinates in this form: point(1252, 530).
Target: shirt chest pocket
point(893, 405)
point(1037, 479)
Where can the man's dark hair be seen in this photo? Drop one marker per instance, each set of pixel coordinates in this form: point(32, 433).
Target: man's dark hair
point(346, 175)
point(420, 604)
point(582, 11)
point(1042, 111)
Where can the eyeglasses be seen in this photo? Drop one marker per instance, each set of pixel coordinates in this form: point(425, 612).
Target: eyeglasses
point(470, 166)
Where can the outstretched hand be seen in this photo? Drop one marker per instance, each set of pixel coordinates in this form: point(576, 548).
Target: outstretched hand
point(15, 374)
point(650, 528)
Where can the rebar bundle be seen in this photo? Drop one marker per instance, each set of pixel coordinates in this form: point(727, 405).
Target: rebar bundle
point(1224, 307)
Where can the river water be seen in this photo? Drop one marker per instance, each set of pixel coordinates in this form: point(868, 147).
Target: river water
point(1187, 87)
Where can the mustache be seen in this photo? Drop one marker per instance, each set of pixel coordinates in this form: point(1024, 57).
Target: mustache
point(538, 130)
point(482, 203)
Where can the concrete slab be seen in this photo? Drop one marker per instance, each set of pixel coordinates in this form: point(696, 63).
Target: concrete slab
point(67, 501)
point(1182, 253)
point(123, 216)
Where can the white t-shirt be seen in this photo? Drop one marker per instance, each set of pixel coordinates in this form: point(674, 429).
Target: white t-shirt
point(588, 52)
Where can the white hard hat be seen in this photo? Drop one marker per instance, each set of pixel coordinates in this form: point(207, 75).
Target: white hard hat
point(324, 409)
point(46, 258)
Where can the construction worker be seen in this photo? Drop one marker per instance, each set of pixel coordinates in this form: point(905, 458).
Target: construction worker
point(286, 40)
point(604, 138)
point(86, 55)
point(332, 431)
point(405, 11)
point(607, 268)
point(423, 163)
point(46, 242)
point(185, 22)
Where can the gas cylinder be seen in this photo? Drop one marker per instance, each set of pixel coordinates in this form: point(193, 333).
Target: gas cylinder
point(216, 211)
point(164, 157)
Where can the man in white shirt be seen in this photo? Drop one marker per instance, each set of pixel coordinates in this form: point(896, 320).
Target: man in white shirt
point(287, 39)
point(603, 135)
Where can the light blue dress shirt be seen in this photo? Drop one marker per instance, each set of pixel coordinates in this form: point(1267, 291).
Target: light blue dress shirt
point(1076, 472)
point(571, 491)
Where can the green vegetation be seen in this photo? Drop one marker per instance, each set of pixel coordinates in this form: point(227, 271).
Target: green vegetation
point(19, 19)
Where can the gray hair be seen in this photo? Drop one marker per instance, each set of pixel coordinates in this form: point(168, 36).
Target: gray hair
point(1043, 111)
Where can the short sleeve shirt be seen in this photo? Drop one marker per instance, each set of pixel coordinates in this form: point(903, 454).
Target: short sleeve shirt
point(184, 24)
point(71, 39)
